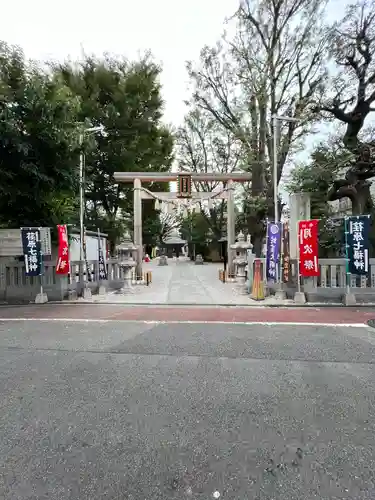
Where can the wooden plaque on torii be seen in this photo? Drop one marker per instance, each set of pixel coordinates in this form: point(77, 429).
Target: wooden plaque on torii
point(184, 186)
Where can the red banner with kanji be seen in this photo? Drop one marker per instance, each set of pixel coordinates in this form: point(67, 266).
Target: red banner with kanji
point(62, 266)
point(308, 248)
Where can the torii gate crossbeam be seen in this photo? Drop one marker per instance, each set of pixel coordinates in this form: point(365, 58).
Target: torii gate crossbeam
point(138, 177)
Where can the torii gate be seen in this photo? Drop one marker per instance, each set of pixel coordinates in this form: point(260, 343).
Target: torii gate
point(141, 193)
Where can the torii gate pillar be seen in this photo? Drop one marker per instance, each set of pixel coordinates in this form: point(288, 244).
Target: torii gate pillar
point(138, 226)
point(231, 230)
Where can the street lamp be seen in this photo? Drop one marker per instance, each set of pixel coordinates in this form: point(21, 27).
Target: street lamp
point(81, 184)
point(276, 120)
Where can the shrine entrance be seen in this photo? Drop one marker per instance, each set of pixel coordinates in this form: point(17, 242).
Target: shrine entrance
point(184, 197)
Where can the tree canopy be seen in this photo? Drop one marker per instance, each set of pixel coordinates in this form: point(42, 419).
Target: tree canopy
point(38, 146)
point(124, 98)
point(46, 113)
point(349, 99)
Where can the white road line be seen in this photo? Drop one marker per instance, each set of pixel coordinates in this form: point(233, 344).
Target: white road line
point(175, 322)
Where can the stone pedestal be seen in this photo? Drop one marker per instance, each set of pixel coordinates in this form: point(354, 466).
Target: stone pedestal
point(349, 299)
point(72, 295)
point(300, 298)
point(128, 280)
point(41, 298)
point(163, 260)
point(102, 290)
point(241, 247)
point(86, 293)
point(280, 295)
point(199, 260)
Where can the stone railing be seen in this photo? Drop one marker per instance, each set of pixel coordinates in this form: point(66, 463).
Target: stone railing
point(331, 283)
point(91, 275)
point(329, 286)
point(16, 287)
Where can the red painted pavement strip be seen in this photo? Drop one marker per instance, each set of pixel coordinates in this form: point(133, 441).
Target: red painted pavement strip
point(332, 316)
point(194, 313)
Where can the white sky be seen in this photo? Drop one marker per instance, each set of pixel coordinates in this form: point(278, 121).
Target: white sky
point(174, 30)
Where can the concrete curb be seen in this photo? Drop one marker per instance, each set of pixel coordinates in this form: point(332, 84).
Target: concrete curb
point(193, 305)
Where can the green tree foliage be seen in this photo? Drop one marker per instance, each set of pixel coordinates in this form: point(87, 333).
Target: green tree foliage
point(157, 223)
point(158, 226)
point(196, 230)
point(327, 162)
point(125, 99)
point(38, 147)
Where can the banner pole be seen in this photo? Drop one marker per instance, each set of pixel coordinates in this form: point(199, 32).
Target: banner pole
point(69, 263)
point(347, 257)
point(41, 278)
point(41, 273)
point(267, 250)
point(281, 252)
point(41, 264)
point(98, 232)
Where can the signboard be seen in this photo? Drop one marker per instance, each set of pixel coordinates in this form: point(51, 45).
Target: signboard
point(11, 243)
point(45, 240)
point(357, 231)
point(308, 248)
point(273, 250)
point(184, 186)
point(286, 255)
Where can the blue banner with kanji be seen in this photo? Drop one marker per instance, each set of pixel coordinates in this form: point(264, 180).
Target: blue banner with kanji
point(357, 230)
point(273, 250)
point(32, 251)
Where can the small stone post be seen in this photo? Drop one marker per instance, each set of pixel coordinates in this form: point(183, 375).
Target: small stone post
point(199, 260)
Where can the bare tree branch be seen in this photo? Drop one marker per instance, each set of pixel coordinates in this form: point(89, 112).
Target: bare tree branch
point(352, 47)
point(274, 70)
point(203, 145)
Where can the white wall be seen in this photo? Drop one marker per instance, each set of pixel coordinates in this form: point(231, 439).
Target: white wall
point(91, 247)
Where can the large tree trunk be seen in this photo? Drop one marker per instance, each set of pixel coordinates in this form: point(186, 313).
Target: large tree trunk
point(257, 244)
point(362, 201)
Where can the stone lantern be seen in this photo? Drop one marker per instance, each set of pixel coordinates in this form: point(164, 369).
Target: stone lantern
point(241, 247)
point(126, 262)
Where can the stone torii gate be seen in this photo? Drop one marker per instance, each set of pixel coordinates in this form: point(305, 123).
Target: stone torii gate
point(141, 193)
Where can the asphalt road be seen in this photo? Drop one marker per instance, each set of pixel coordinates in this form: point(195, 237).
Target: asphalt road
point(155, 411)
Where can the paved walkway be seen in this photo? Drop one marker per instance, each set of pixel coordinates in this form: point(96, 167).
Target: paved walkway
point(182, 282)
